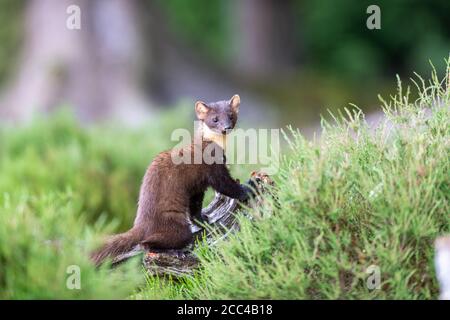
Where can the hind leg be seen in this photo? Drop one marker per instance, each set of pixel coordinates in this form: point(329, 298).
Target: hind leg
point(173, 233)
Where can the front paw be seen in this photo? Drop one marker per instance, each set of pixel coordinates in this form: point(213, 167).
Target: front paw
point(247, 193)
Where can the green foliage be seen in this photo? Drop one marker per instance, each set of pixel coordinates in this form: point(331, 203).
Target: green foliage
point(61, 187)
point(41, 237)
point(202, 23)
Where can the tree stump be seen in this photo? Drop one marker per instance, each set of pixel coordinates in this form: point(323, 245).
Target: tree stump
point(218, 221)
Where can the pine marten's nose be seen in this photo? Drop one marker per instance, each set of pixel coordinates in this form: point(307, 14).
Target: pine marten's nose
point(226, 129)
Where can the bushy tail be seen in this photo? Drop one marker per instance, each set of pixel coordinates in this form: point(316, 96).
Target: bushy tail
point(116, 245)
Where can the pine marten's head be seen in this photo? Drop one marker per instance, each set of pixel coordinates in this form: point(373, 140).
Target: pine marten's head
point(218, 119)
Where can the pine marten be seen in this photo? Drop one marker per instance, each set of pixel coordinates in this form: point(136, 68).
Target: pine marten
point(171, 192)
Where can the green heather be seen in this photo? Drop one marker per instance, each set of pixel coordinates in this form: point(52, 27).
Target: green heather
point(354, 197)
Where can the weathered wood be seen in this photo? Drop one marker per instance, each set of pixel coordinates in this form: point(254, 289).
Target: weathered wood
point(218, 221)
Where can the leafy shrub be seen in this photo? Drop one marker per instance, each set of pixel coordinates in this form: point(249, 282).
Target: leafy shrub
point(59, 185)
point(41, 239)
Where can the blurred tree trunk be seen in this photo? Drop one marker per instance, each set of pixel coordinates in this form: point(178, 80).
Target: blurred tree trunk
point(262, 36)
point(95, 70)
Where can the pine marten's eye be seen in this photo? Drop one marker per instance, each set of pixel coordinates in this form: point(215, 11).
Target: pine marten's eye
point(230, 116)
point(215, 119)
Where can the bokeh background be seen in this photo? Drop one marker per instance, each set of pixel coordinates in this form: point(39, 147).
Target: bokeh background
point(289, 60)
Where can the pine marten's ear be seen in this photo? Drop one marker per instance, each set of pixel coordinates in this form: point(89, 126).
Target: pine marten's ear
point(235, 102)
point(201, 109)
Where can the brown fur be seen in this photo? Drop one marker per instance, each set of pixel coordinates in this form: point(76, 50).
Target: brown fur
point(171, 193)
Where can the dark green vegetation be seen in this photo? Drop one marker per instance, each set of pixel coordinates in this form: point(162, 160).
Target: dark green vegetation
point(330, 35)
